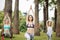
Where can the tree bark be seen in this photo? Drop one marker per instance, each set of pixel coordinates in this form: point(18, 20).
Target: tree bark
point(16, 17)
point(55, 19)
point(45, 10)
point(37, 33)
point(58, 19)
point(8, 8)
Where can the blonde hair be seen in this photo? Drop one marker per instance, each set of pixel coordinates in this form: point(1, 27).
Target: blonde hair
point(49, 23)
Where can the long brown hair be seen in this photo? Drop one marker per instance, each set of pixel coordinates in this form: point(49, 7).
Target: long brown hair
point(29, 16)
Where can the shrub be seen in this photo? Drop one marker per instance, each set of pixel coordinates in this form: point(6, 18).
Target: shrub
point(23, 26)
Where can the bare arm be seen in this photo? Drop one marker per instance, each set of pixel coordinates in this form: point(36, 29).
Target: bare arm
point(27, 16)
point(47, 24)
point(9, 20)
point(34, 17)
point(4, 19)
point(7, 16)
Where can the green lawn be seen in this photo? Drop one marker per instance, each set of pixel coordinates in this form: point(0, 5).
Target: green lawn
point(42, 36)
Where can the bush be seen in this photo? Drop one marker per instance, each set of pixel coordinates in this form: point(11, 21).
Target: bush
point(23, 26)
point(1, 25)
point(1, 18)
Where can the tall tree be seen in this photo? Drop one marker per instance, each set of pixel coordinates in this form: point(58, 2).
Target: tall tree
point(37, 33)
point(16, 17)
point(58, 19)
point(8, 9)
point(55, 19)
point(45, 10)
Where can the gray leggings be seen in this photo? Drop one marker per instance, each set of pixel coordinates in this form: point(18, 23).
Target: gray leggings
point(49, 37)
point(31, 36)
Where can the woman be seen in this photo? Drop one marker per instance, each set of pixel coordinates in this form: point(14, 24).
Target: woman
point(6, 31)
point(30, 28)
point(49, 29)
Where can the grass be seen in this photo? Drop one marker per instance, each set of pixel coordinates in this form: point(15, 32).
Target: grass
point(42, 36)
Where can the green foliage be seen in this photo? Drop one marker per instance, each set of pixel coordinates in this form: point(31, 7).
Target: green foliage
point(0, 35)
point(22, 22)
point(1, 25)
point(1, 18)
point(54, 2)
point(41, 26)
point(23, 26)
point(41, 2)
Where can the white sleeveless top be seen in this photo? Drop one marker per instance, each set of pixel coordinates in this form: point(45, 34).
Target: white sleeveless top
point(49, 30)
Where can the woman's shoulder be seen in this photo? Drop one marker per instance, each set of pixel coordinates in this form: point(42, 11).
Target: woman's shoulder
point(49, 27)
point(6, 24)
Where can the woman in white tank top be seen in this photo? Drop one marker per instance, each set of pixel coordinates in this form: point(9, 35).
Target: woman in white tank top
point(49, 29)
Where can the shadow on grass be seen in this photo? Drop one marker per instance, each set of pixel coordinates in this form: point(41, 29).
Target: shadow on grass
point(9, 37)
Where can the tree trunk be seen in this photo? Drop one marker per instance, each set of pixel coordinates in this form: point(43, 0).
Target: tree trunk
point(37, 33)
point(16, 17)
point(58, 19)
point(45, 10)
point(55, 19)
point(8, 9)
